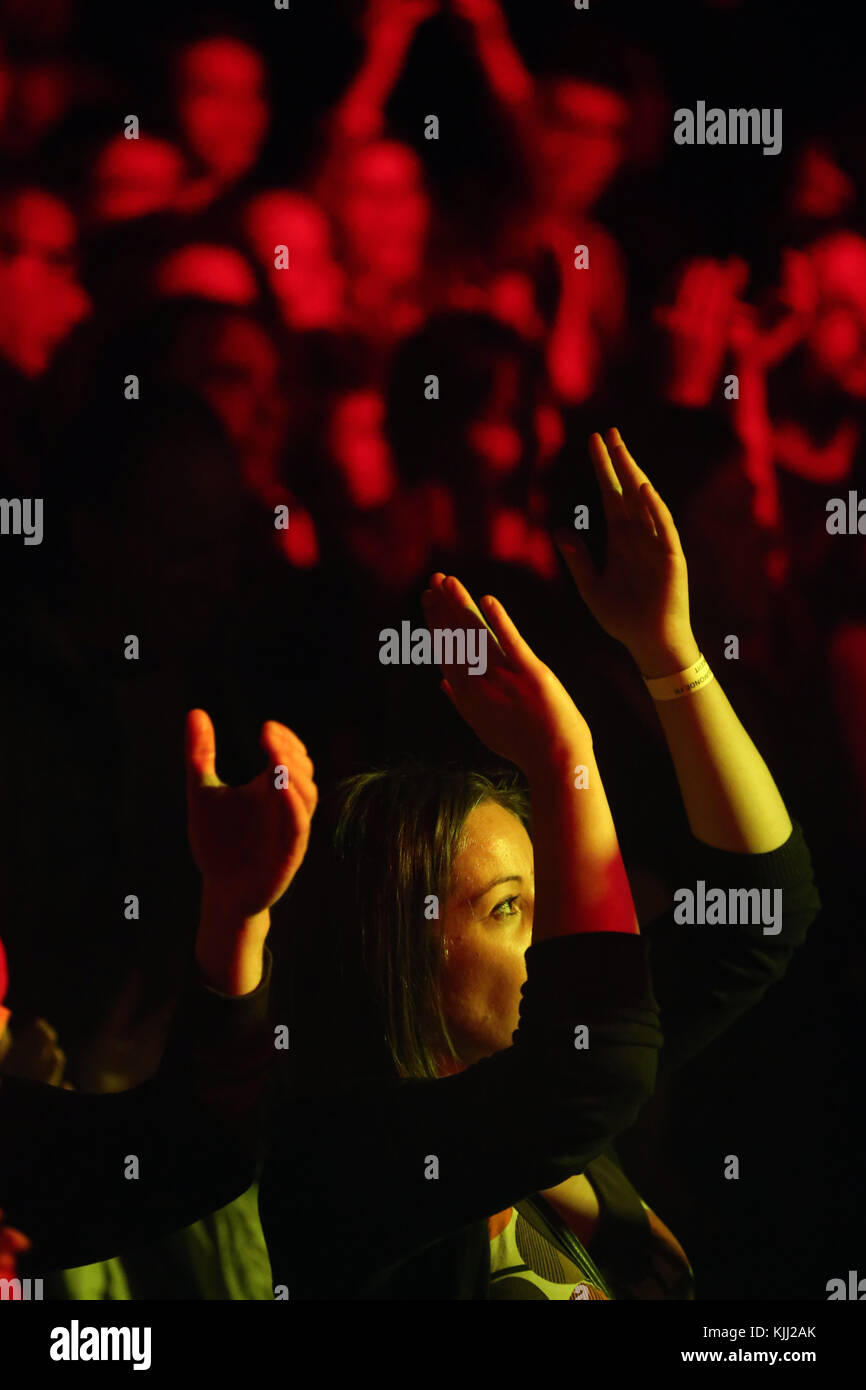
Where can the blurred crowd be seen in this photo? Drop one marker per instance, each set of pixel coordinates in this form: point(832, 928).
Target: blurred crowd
point(391, 301)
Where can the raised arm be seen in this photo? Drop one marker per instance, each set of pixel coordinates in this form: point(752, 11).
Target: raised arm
point(84, 1176)
point(705, 975)
point(641, 598)
point(248, 843)
point(389, 28)
point(504, 68)
point(520, 711)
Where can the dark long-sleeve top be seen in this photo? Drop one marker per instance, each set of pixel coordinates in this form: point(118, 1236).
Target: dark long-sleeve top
point(66, 1170)
point(347, 1206)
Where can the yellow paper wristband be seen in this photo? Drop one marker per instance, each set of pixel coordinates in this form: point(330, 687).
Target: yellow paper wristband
point(681, 682)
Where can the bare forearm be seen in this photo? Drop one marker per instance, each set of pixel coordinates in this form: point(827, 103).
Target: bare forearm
point(360, 114)
point(580, 879)
point(730, 798)
point(229, 948)
point(503, 66)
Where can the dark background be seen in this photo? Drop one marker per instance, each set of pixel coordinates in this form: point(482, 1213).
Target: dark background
point(157, 508)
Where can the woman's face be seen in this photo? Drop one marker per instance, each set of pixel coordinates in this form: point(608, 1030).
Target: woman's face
point(221, 103)
point(310, 289)
point(486, 928)
point(384, 210)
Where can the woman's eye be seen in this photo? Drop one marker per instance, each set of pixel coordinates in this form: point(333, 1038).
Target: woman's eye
point(506, 908)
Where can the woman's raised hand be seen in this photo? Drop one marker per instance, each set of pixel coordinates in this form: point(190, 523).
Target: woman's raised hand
point(517, 707)
point(248, 842)
point(641, 597)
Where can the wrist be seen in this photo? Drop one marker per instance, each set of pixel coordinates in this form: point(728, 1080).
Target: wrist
point(230, 944)
point(220, 916)
point(553, 767)
point(666, 658)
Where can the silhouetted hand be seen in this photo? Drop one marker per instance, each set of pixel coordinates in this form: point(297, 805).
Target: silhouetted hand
point(250, 841)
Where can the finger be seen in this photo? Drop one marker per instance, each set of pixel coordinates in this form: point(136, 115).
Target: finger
point(200, 749)
point(281, 749)
point(275, 735)
point(609, 484)
point(437, 611)
point(631, 477)
point(308, 791)
point(299, 777)
point(300, 816)
point(57, 1067)
point(580, 564)
point(42, 1028)
point(662, 519)
point(458, 601)
point(449, 609)
point(283, 731)
point(505, 632)
point(625, 459)
point(645, 516)
point(282, 746)
point(298, 797)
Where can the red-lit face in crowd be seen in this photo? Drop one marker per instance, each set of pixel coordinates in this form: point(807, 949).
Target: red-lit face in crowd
point(206, 271)
point(221, 105)
point(384, 211)
point(360, 449)
point(821, 188)
point(310, 289)
point(134, 177)
point(487, 928)
point(583, 142)
point(836, 340)
point(41, 299)
point(237, 372)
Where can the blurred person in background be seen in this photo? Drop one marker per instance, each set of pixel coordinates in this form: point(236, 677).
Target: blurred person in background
point(222, 113)
point(310, 290)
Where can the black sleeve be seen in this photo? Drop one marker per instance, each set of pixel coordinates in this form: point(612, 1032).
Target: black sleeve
point(706, 976)
point(348, 1188)
point(190, 1134)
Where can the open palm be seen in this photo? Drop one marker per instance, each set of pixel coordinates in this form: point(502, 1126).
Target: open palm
point(518, 707)
point(641, 596)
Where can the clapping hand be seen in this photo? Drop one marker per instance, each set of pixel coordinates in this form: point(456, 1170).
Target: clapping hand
point(641, 596)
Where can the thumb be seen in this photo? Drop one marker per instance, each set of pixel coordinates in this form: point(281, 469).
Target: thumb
point(200, 750)
point(579, 562)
